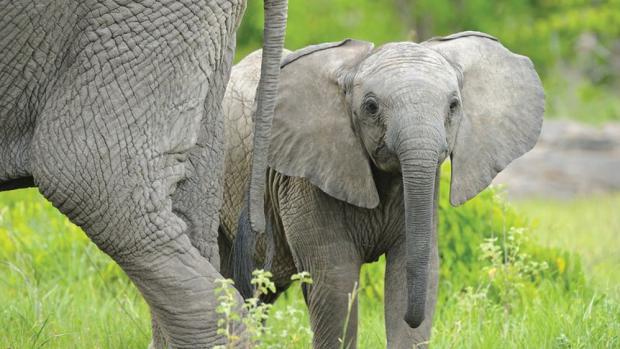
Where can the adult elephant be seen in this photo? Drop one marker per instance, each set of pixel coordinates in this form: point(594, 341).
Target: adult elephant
point(359, 135)
point(113, 110)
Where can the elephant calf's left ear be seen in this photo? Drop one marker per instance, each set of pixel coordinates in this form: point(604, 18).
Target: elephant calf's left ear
point(503, 106)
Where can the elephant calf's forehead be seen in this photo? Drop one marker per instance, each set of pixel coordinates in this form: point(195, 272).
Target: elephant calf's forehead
point(406, 61)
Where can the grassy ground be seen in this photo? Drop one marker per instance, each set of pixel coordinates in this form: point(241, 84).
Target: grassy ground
point(589, 226)
point(58, 291)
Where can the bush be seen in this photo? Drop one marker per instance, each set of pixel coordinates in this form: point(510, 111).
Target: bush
point(486, 249)
point(487, 233)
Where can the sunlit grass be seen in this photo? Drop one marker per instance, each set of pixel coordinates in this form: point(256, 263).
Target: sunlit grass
point(57, 290)
point(589, 226)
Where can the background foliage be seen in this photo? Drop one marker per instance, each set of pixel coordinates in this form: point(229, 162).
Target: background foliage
point(575, 44)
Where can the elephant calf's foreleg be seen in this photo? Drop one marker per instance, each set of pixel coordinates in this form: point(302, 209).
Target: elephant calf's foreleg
point(327, 298)
point(399, 334)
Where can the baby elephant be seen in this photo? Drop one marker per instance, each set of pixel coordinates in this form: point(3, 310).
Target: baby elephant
point(359, 135)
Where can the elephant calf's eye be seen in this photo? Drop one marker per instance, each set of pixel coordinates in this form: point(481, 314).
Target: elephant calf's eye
point(453, 106)
point(371, 106)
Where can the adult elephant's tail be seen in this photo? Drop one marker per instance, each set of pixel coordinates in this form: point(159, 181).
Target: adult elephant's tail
point(273, 43)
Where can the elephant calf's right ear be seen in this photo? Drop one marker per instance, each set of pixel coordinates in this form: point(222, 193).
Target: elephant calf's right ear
point(312, 132)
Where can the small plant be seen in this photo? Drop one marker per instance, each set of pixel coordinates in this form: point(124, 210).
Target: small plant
point(228, 308)
point(253, 314)
point(257, 312)
point(510, 271)
point(293, 330)
point(303, 278)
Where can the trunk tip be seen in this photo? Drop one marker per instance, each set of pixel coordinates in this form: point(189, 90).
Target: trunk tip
point(414, 318)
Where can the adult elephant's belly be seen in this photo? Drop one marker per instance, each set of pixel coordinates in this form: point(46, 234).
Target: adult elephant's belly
point(14, 157)
point(15, 132)
point(15, 138)
point(19, 183)
point(33, 36)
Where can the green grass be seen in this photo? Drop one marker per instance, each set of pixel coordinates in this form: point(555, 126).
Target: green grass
point(590, 227)
point(57, 290)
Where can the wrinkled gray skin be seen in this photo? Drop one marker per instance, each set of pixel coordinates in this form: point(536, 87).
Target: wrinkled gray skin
point(358, 138)
point(113, 109)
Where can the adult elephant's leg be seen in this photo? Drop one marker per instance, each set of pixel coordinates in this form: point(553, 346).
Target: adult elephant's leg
point(198, 198)
point(115, 140)
point(158, 339)
point(399, 334)
point(121, 198)
point(120, 194)
point(128, 214)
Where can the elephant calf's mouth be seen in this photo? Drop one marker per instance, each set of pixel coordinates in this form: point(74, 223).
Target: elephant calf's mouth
point(384, 158)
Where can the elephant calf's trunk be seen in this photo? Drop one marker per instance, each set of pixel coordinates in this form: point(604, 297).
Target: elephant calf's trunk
point(418, 169)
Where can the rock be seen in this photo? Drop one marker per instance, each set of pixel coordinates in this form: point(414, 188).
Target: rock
point(570, 159)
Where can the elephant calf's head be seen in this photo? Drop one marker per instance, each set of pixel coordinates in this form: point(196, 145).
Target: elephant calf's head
point(404, 107)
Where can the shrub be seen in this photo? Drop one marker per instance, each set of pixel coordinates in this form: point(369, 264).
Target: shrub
point(487, 250)
point(487, 240)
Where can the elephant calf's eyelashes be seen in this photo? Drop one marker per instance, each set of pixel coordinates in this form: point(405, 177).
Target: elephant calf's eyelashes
point(454, 104)
point(370, 105)
point(453, 109)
